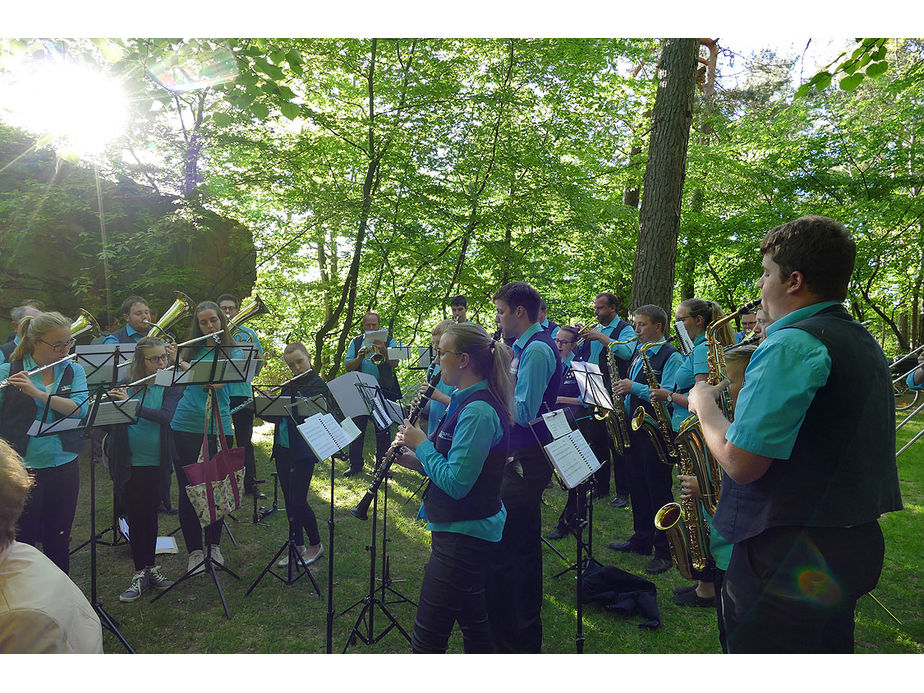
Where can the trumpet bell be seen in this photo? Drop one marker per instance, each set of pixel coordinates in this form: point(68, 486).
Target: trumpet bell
point(84, 323)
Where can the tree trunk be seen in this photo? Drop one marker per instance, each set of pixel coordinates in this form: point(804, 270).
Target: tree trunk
point(659, 219)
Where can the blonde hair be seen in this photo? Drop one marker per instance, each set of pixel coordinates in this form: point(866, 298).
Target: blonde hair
point(439, 329)
point(34, 327)
point(296, 346)
point(491, 360)
point(740, 356)
point(709, 311)
point(15, 483)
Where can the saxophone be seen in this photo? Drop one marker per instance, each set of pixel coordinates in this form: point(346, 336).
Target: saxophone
point(659, 430)
point(617, 424)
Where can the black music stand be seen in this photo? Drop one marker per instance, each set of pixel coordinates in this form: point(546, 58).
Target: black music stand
point(293, 405)
point(123, 413)
point(202, 371)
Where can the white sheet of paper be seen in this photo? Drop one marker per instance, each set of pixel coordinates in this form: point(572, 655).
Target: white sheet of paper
point(375, 335)
point(165, 545)
point(572, 458)
point(557, 423)
point(53, 426)
point(398, 353)
point(324, 435)
point(346, 393)
point(109, 413)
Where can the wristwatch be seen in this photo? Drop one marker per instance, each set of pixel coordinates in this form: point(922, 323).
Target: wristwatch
point(670, 397)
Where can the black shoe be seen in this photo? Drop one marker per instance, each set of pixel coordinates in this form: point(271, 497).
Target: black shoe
point(351, 472)
point(692, 599)
point(684, 589)
point(557, 533)
point(628, 547)
point(620, 500)
point(658, 565)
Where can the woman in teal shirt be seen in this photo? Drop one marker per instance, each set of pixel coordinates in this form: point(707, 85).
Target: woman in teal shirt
point(138, 452)
point(188, 423)
point(464, 459)
point(60, 391)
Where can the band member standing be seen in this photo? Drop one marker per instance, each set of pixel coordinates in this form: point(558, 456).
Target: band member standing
point(611, 328)
point(240, 393)
point(30, 307)
point(188, 423)
point(139, 451)
point(459, 307)
point(545, 323)
point(514, 587)
point(439, 398)
point(649, 478)
point(810, 469)
point(51, 459)
point(136, 314)
point(465, 459)
point(358, 358)
point(295, 460)
point(748, 323)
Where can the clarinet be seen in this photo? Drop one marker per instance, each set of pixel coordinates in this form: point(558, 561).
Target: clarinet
point(362, 508)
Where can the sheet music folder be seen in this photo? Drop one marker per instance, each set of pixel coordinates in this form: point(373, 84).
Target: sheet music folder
point(325, 436)
point(565, 447)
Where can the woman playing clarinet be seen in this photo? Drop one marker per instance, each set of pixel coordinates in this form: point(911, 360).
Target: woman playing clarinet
point(464, 459)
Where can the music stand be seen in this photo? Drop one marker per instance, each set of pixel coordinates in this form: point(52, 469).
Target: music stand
point(291, 406)
point(110, 415)
point(205, 372)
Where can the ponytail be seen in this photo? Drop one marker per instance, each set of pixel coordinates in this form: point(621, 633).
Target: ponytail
point(33, 327)
point(490, 358)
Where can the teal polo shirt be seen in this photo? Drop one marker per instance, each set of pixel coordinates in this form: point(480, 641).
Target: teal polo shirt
point(780, 383)
point(693, 364)
point(536, 366)
point(189, 416)
point(144, 436)
point(244, 335)
point(641, 390)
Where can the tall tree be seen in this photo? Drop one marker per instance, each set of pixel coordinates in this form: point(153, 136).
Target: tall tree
point(659, 220)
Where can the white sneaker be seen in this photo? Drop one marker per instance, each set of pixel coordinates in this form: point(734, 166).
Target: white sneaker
point(216, 554)
point(195, 559)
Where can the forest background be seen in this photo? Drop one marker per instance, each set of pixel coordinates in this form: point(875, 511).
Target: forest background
point(335, 176)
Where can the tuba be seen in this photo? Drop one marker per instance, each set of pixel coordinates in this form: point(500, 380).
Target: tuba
point(250, 308)
point(181, 308)
point(84, 323)
point(658, 429)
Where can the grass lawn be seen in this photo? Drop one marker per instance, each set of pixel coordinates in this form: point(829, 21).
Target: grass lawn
point(277, 618)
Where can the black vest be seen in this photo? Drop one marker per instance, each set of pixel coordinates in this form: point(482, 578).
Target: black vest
point(8, 349)
point(657, 362)
point(622, 365)
point(521, 436)
point(20, 410)
point(122, 335)
point(842, 470)
point(308, 385)
point(483, 500)
point(387, 378)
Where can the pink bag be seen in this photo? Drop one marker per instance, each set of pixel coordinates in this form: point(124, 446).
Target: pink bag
point(214, 485)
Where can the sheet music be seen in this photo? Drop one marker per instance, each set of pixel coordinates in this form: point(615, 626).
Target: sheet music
point(124, 411)
point(424, 356)
point(375, 335)
point(399, 353)
point(572, 458)
point(557, 423)
point(590, 382)
point(226, 371)
point(48, 427)
point(162, 545)
point(305, 407)
point(346, 393)
point(324, 435)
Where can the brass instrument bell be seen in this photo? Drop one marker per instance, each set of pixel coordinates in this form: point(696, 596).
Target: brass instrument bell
point(85, 322)
point(182, 307)
point(250, 308)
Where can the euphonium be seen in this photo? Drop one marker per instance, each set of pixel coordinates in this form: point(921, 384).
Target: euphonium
point(181, 308)
point(250, 308)
point(659, 429)
point(617, 423)
point(83, 323)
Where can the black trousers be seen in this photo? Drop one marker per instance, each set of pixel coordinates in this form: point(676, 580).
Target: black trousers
point(141, 499)
point(453, 590)
point(243, 435)
point(514, 576)
point(382, 441)
point(164, 482)
point(795, 589)
point(187, 448)
point(602, 445)
point(650, 483)
point(295, 478)
point(49, 512)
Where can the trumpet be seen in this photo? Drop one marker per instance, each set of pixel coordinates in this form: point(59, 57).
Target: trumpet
point(85, 322)
point(181, 308)
point(6, 381)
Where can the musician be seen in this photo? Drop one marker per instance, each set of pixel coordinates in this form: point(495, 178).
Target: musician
point(464, 459)
point(108, 324)
point(544, 322)
point(139, 451)
point(915, 378)
point(240, 393)
point(136, 314)
point(761, 328)
point(51, 459)
point(30, 307)
point(649, 477)
point(188, 423)
point(295, 460)
point(514, 587)
point(459, 307)
point(611, 328)
point(439, 398)
point(748, 323)
point(358, 358)
point(811, 469)
point(41, 610)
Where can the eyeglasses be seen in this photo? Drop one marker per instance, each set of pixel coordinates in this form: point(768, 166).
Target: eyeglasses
point(440, 352)
point(564, 341)
point(58, 346)
point(155, 359)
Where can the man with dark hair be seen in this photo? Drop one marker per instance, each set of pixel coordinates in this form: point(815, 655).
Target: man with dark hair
point(359, 358)
point(514, 581)
point(748, 323)
point(611, 329)
point(809, 460)
point(136, 314)
point(649, 477)
point(544, 322)
point(242, 420)
point(459, 308)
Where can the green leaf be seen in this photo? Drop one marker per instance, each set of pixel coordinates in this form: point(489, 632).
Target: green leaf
point(293, 57)
point(289, 110)
point(259, 110)
point(822, 80)
point(877, 69)
point(852, 82)
point(221, 119)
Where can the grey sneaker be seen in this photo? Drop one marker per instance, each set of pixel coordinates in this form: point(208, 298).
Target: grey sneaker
point(139, 584)
point(158, 579)
point(216, 554)
point(195, 559)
